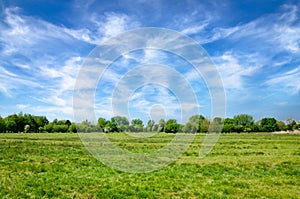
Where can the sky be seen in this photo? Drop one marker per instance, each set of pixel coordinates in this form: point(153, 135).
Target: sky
point(255, 46)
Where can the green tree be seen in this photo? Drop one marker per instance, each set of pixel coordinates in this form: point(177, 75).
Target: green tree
point(41, 121)
point(229, 125)
point(190, 127)
point(72, 128)
point(291, 124)
point(120, 120)
point(243, 119)
point(238, 128)
point(2, 125)
point(150, 125)
point(55, 121)
point(171, 126)
point(11, 126)
point(137, 122)
point(218, 120)
point(30, 120)
point(101, 123)
point(68, 123)
point(14, 123)
point(60, 128)
point(136, 125)
point(161, 125)
point(48, 128)
point(111, 127)
point(229, 121)
point(204, 126)
point(197, 120)
point(228, 128)
point(269, 125)
point(281, 125)
point(155, 127)
point(216, 125)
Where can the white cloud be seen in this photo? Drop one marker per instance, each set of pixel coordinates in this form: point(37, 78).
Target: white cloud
point(59, 93)
point(288, 81)
point(112, 24)
point(22, 106)
point(194, 29)
point(233, 69)
point(279, 31)
point(65, 72)
point(21, 32)
point(10, 81)
point(6, 72)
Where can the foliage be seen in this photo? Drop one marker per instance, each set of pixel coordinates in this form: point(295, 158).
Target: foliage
point(291, 124)
point(62, 128)
point(150, 125)
point(269, 125)
point(137, 122)
point(171, 126)
point(111, 127)
point(2, 125)
point(190, 127)
point(161, 125)
point(281, 125)
point(197, 124)
point(120, 120)
point(102, 123)
point(243, 119)
point(72, 128)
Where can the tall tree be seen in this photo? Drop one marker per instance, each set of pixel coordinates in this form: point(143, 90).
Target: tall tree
point(150, 125)
point(30, 120)
point(190, 127)
point(204, 126)
point(197, 120)
point(171, 126)
point(137, 122)
point(291, 124)
point(243, 119)
point(111, 127)
point(269, 124)
point(72, 128)
point(13, 124)
point(2, 125)
point(101, 123)
point(120, 120)
point(281, 125)
point(161, 125)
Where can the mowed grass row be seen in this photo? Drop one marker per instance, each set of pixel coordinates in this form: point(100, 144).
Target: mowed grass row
point(254, 165)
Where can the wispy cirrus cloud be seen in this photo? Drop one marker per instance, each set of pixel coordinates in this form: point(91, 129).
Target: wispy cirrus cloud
point(278, 30)
point(255, 52)
point(289, 81)
point(45, 58)
point(11, 81)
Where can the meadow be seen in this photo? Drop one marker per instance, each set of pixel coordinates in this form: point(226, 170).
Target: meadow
point(246, 165)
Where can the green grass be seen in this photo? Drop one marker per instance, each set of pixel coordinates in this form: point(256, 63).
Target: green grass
point(240, 166)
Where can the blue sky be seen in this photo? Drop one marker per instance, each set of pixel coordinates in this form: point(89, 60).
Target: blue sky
point(255, 46)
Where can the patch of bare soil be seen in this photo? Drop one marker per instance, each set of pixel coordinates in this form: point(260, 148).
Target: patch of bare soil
point(287, 132)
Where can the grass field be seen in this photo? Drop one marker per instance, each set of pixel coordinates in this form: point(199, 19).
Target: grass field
point(254, 165)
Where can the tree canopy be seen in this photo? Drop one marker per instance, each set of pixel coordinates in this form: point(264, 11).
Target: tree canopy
point(197, 124)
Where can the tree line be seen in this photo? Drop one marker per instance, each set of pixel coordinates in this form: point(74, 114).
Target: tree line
point(197, 124)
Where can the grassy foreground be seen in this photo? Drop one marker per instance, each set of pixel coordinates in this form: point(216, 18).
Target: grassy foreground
point(240, 166)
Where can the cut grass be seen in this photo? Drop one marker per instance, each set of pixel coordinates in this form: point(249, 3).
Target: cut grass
point(239, 166)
